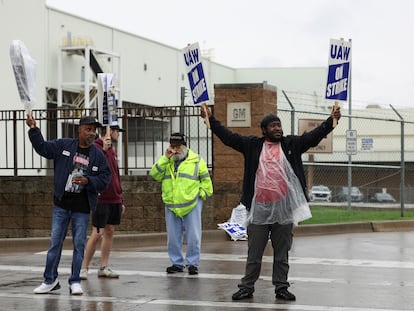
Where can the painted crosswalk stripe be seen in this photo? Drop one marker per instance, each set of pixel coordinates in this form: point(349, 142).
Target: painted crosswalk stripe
point(63, 270)
point(162, 274)
point(366, 263)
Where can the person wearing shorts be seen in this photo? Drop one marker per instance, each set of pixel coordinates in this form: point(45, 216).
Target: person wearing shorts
point(109, 210)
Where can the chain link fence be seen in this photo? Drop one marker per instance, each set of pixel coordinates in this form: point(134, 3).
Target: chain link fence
point(147, 136)
point(369, 149)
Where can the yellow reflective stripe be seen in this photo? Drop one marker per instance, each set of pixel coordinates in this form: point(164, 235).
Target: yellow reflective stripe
point(187, 176)
point(159, 169)
point(183, 205)
point(196, 167)
point(206, 175)
point(195, 173)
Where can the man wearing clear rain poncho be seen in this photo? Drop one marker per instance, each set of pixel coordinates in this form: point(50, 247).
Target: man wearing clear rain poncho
point(274, 193)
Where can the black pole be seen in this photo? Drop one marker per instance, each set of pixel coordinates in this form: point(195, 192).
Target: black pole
point(182, 112)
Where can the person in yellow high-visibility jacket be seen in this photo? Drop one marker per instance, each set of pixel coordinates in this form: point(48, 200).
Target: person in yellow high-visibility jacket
point(186, 183)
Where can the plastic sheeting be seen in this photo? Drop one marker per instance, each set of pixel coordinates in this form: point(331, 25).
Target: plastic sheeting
point(279, 197)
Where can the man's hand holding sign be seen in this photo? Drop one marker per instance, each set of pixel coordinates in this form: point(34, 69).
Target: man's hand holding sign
point(196, 78)
point(335, 108)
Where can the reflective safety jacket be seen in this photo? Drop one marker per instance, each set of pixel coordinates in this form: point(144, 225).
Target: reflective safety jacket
point(182, 188)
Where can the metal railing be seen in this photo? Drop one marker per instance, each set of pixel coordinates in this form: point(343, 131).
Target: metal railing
point(146, 137)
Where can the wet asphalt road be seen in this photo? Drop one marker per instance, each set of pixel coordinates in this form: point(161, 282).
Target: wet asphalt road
point(338, 272)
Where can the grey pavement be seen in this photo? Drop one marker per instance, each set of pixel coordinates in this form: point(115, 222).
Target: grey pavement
point(358, 267)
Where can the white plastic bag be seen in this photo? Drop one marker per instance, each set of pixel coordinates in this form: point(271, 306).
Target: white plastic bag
point(236, 225)
point(239, 215)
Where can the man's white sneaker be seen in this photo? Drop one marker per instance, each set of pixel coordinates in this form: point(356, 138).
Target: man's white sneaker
point(83, 274)
point(75, 289)
point(47, 288)
point(105, 272)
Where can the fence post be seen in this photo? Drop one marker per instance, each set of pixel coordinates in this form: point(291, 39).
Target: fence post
point(182, 110)
point(402, 169)
point(15, 143)
point(125, 141)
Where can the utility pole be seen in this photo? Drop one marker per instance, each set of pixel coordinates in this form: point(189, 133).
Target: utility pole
point(182, 112)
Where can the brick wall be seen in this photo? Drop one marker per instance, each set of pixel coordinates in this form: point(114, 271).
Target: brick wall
point(26, 207)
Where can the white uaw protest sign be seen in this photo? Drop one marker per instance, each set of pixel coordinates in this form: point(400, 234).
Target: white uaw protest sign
point(24, 68)
point(107, 105)
point(195, 74)
point(339, 70)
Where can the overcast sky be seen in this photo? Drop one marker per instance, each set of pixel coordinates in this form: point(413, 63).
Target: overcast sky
point(275, 33)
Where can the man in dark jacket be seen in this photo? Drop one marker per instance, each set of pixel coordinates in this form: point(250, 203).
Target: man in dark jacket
point(110, 207)
point(274, 193)
point(81, 173)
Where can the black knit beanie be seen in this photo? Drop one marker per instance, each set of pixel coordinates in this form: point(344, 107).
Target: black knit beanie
point(268, 119)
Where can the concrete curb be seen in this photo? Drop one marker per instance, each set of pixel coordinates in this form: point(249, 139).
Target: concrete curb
point(134, 240)
point(355, 227)
point(159, 239)
point(337, 228)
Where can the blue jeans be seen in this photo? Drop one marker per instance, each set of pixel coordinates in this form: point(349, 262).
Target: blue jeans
point(176, 226)
point(60, 223)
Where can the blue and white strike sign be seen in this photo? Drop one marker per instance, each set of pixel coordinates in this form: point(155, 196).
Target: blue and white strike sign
point(195, 73)
point(338, 72)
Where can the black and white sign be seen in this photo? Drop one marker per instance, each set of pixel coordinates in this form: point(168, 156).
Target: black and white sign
point(351, 142)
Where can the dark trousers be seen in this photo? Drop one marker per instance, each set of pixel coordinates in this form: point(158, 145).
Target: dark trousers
point(258, 236)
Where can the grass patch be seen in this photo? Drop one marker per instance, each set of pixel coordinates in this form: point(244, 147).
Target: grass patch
point(328, 215)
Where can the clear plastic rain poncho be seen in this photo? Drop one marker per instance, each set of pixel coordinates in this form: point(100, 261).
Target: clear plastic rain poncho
point(278, 197)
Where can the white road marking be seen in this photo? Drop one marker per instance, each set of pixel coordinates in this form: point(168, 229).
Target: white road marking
point(366, 263)
point(216, 276)
point(216, 304)
point(230, 257)
point(159, 274)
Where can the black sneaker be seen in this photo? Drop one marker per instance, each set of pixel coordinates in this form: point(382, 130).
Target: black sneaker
point(192, 270)
point(174, 269)
point(243, 293)
point(284, 294)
